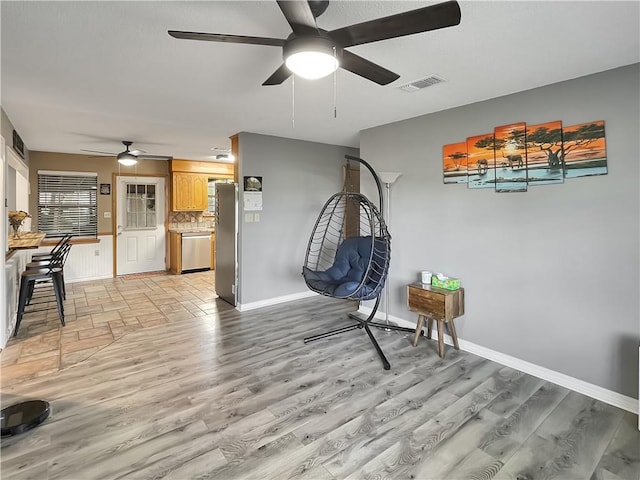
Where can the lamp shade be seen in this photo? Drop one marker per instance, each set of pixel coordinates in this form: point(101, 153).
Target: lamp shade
point(127, 159)
point(311, 58)
point(389, 177)
point(312, 65)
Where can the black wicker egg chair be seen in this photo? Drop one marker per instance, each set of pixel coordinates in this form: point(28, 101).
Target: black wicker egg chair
point(348, 256)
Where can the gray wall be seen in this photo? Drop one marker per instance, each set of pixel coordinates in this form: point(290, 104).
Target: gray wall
point(298, 178)
point(551, 275)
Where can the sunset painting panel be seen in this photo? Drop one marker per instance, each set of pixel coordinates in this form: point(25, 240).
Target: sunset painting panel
point(480, 161)
point(585, 150)
point(454, 159)
point(511, 158)
point(544, 153)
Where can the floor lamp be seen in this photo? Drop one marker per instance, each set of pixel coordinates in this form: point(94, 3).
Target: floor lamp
point(388, 178)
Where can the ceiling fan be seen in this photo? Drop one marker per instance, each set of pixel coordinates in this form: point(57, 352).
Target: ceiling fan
point(130, 157)
point(311, 52)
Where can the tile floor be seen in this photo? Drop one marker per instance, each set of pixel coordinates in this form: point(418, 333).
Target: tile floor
point(96, 314)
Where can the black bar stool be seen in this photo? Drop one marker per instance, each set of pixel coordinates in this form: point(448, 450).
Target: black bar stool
point(36, 257)
point(51, 271)
point(40, 263)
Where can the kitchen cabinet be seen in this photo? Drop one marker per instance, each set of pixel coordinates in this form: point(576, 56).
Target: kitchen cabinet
point(175, 253)
point(188, 192)
point(13, 268)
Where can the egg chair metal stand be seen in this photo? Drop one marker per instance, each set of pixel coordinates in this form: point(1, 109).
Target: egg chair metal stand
point(348, 256)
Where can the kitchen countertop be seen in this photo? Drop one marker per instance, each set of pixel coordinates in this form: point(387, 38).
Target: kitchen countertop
point(194, 230)
point(26, 240)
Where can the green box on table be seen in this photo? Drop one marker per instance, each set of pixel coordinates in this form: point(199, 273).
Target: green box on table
point(448, 283)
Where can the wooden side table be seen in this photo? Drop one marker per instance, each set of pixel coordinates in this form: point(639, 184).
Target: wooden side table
point(436, 304)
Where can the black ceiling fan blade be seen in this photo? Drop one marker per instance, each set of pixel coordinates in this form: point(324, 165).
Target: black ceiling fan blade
point(442, 15)
point(299, 15)
point(220, 37)
point(366, 69)
point(155, 157)
point(279, 76)
point(98, 151)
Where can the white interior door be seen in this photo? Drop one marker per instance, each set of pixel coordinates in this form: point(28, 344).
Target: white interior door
point(140, 234)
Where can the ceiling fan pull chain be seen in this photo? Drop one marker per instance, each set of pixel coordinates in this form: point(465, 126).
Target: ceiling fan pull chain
point(293, 101)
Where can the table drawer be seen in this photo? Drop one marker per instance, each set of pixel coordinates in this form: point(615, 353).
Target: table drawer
point(438, 304)
point(427, 302)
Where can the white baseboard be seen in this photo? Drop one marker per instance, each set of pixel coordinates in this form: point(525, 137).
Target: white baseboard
point(607, 396)
point(274, 301)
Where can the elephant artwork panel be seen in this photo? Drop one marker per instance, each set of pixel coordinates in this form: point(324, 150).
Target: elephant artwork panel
point(481, 161)
point(545, 163)
point(454, 161)
point(584, 150)
point(510, 157)
point(518, 155)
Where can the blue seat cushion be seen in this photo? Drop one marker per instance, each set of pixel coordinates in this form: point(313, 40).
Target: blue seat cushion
point(349, 268)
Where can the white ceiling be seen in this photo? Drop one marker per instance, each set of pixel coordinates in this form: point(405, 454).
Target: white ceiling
point(85, 75)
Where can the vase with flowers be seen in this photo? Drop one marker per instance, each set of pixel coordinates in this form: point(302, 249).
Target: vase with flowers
point(15, 220)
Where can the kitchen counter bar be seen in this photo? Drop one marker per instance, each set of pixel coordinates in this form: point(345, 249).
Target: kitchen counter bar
point(26, 240)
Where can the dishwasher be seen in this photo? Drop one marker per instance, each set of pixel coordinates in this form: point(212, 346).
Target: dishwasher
point(196, 251)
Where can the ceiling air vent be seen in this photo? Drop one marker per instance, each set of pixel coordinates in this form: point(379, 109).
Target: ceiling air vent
point(420, 84)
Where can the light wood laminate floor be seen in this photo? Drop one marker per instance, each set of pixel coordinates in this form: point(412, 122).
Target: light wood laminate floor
point(97, 313)
point(231, 395)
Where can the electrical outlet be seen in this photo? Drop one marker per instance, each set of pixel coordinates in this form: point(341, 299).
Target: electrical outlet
point(106, 214)
point(248, 217)
point(96, 253)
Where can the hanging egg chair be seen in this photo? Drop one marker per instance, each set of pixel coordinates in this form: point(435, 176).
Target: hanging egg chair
point(348, 256)
point(350, 267)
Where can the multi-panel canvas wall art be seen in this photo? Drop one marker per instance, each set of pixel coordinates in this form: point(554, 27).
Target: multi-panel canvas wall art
point(455, 162)
point(518, 155)
point(544, 153)
point(585, 151)
point(480, 161)
point(511, 158)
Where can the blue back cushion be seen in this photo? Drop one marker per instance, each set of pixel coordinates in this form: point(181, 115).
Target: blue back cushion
point(352, 258)
point(349, 268)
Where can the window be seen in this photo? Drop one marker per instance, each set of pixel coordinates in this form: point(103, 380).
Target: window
point(211, 195)
point(68, 203)
point(141, 206)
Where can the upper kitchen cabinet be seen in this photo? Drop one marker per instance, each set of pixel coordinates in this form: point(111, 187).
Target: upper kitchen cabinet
point(189, 192)
point(189, 183)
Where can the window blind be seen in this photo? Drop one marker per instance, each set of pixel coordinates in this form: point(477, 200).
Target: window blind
point(68, 203)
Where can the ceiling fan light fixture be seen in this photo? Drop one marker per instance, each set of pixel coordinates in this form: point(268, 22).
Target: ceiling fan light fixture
point(312, 65)
point(311, 58)
point(127, 159)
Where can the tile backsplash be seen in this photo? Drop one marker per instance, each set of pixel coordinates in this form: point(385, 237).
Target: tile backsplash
point(190, 221)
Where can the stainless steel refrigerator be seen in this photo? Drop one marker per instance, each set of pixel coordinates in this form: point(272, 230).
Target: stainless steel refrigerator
point(226, 244)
